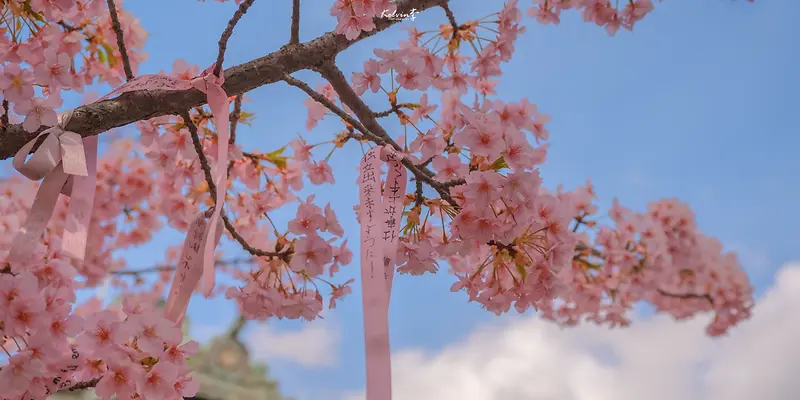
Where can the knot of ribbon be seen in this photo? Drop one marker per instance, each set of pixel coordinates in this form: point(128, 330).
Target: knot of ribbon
point(68, 164)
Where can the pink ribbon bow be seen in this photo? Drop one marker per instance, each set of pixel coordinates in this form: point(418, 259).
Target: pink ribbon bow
point(381, 212)
point(68, 164)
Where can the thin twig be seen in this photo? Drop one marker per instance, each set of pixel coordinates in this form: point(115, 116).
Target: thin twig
point(126, 62)
point(165, 268)
point(450, 17)
point(85, 384)
point(295, 35)
point(226, 34)
point(348, 96)
point(706, 297)
point(212, 188)
point(235, 115)
point(198, 148)
point(4, 118)
point(419, 198)
point(237, 326)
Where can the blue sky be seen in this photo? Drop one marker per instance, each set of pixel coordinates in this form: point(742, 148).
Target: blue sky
point(697, 103)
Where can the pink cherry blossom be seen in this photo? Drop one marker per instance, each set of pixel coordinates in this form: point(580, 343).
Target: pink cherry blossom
point(38, 112)
point(159, 382)
point(16, 83)
point(120, 379)
point(368, 79)
point(510, 241)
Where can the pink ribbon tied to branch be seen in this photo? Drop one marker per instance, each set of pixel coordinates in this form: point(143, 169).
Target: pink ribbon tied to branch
point(380, 215)
point(68, 164)
point(197, 256)
point(211, 85)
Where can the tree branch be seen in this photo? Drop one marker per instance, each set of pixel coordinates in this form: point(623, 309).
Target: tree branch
point(83, 385)
point(212, 188)
point(235, 115)
point(92, 119)
point(450, 17)
point(226, 34)
point(126, 62)
point(706, 297)
point(237, 326)
point(165, 268)
point(295, 35)
point(349, 97)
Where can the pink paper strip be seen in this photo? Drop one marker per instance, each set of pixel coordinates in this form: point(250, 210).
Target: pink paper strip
point(190, 268)
point(81, 201)
point(63, 379)
point(393, 197)
point(24, 243)
point(380, 223)
point(211, 85)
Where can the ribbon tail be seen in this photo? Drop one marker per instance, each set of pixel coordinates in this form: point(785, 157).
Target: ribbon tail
point(81, 202)
point(218, 101)
point(189, 270)
point(24, 243)
point(374, 296)
point(209, 263)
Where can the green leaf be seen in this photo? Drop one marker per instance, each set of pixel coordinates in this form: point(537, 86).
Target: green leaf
point(523, 273)
point(499, 164)
point(277, 153)
point(101, 56)
point(28, 10)
point(112, 60)
point(277, 158)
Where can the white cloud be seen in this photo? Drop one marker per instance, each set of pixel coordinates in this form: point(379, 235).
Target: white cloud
point(314, 345)
point(656, 359)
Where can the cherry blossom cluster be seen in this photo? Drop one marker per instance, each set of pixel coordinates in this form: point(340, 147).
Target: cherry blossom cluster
point(356, 16)
point(480, 204)
point(51, 46)
point(283, 285)
point(135, 351)
point(507, 239)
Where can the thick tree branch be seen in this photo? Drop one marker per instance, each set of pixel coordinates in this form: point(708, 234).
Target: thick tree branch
point(126, 62)
point(226, 34)
point(140, 105)
point(295, 35)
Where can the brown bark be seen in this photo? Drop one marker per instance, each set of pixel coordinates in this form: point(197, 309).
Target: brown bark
point(100, 117)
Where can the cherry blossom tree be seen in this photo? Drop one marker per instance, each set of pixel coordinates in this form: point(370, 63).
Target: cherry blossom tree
point(476, 205)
